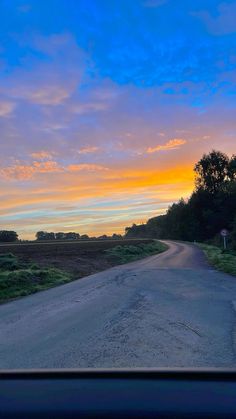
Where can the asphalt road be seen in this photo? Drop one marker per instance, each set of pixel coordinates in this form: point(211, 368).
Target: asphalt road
point(169, 310)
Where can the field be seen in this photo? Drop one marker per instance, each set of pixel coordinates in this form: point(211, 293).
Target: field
point(30, 267)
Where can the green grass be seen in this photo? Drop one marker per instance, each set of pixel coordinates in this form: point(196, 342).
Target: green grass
point(124, 254)
point(224, 261)
point(20, 279)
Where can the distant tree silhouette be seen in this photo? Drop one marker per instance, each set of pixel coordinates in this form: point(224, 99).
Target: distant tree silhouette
point(8, 236)
point(116, 236)
point(60, 236)
point(44, 235)
point(103, 237)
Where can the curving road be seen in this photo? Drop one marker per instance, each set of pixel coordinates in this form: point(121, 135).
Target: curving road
point(169, 310)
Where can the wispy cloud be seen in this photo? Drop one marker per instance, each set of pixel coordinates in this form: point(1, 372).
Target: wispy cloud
point(87, 150)
point(90, 167)
point(224, 22)
point(50, 81)
point(170, 145)
point(42, 155)
point(43, 95)
point(6, 108)
point(81, 108)
point(24, 172)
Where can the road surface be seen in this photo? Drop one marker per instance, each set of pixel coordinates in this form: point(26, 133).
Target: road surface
point(168, 310)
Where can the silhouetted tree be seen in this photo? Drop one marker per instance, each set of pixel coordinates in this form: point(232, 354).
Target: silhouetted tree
point(72, 236)
point(212, 171)
point(8, 236)
point(60, 236)
point(116, 236)
point(44, 235)
point(232, 168)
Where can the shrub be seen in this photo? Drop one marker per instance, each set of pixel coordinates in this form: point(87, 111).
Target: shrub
point(8, 261)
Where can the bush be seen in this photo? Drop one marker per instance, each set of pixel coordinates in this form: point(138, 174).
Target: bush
point(23, 279)
point(8, 261)
point(129, 253)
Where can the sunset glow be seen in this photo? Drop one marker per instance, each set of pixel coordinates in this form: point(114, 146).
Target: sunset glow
point(105, 106)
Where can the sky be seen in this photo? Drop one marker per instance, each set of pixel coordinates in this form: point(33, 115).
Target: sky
point(105, 106)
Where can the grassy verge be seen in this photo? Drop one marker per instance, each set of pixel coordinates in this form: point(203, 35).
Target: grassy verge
point(224, 261)
point(130, 253)
point(20, 279)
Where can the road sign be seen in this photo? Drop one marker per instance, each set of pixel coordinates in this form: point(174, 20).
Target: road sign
point(224, 233)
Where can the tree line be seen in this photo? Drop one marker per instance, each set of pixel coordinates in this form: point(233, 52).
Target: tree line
point(210, 208)
point(47, 236)
point(7, 236)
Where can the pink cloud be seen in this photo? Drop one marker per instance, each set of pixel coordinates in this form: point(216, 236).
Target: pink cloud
point(6, 108)
point(87, 150)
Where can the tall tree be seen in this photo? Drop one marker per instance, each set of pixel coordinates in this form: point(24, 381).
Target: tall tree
point(232, 168)
point(212, 171)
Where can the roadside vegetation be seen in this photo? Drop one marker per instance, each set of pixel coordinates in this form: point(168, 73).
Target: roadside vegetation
point(125, 254)
point(220, 259)
point(19, 279)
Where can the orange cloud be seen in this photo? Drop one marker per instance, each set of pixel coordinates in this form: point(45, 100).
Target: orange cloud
point(87, 150)
point(80, 167)
point(170, 145)
point(26, 172)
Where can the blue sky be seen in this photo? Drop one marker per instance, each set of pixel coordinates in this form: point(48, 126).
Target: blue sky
point(106, 105)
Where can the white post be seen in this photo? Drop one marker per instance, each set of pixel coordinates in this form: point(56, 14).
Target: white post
point(225, 246)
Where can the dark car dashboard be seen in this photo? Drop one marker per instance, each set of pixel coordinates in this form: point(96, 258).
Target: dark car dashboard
point(118, 394)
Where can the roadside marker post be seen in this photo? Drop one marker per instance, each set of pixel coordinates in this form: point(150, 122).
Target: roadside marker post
point(224, 233)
